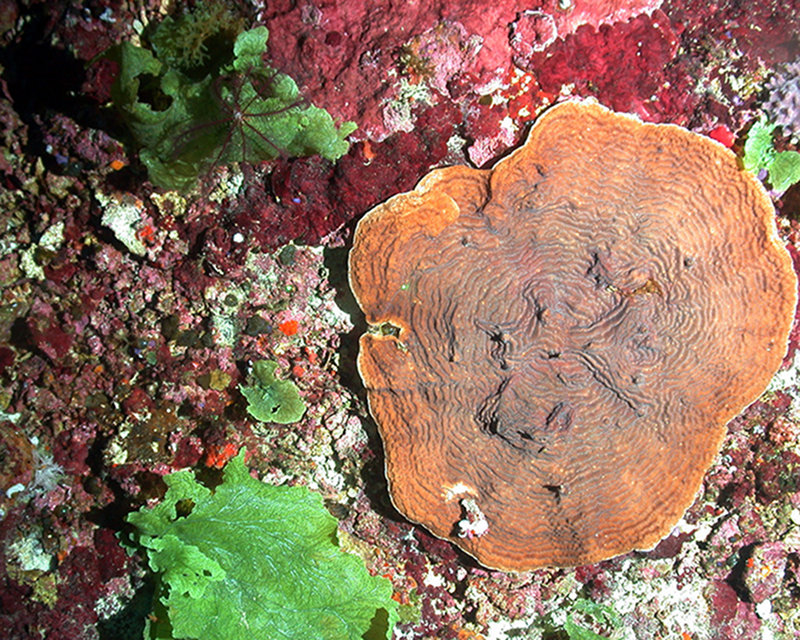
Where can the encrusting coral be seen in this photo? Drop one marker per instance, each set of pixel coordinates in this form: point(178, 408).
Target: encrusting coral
point(569, 333)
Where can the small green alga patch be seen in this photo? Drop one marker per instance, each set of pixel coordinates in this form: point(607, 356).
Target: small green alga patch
point(270, 399)
point(783, 167)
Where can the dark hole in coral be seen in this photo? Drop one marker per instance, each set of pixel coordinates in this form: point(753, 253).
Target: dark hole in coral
point(560, 417)
point(169, 326)
point(333, 38)
point(790, 202)
point(499, 349)
point(736, 577)
point(256, 326)
point(286, 255)
point(187, 337)
point(556, 489)
point(42, 79)
point(337, 509)
point(388, 329)
point(598, 272)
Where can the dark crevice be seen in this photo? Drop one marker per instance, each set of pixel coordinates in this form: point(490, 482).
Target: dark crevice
point(529, 438)
point(604, 380)
point(499, 346)
point(556, 490)
point(560, 417)
point(43, 79)
point(499, 349)
point(486, 415)
point(540, 313)
point(598, 272)
point(385, 329)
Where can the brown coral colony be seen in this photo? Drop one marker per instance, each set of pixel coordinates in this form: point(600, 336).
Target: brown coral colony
point(556, 344)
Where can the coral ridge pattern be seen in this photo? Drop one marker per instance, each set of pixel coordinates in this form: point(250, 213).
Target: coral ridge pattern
point(557, 344)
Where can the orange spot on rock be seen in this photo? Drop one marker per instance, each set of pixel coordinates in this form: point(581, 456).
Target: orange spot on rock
point(289, 328)
point(369, 154)
point(146, 233)
point(218, 455)
point(311, 355)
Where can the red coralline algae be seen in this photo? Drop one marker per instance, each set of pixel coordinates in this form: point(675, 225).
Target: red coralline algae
point(591, 59)
point(399, 160)
point(47, 333)
point(532, 31)
point(7, 358)
point(540, 24)
point(670, 546)
point(66, 607)
point(189, 450)
point(334, 49)
point(764, 571)
point(776, 475)
point(765, 31)
point(114, 558)
point(731, 618)
point(71, 449)
point(308, 198)
point(16, 461)
point(439, 55)
point(484, 127)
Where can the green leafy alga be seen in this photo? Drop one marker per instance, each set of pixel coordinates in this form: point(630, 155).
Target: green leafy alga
point(783, 167)
point(251, 560)
point(215, 105)
point(270, 399)
point(595, 612)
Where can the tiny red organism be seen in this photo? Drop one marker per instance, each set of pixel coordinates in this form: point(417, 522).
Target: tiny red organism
point(289, 328)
